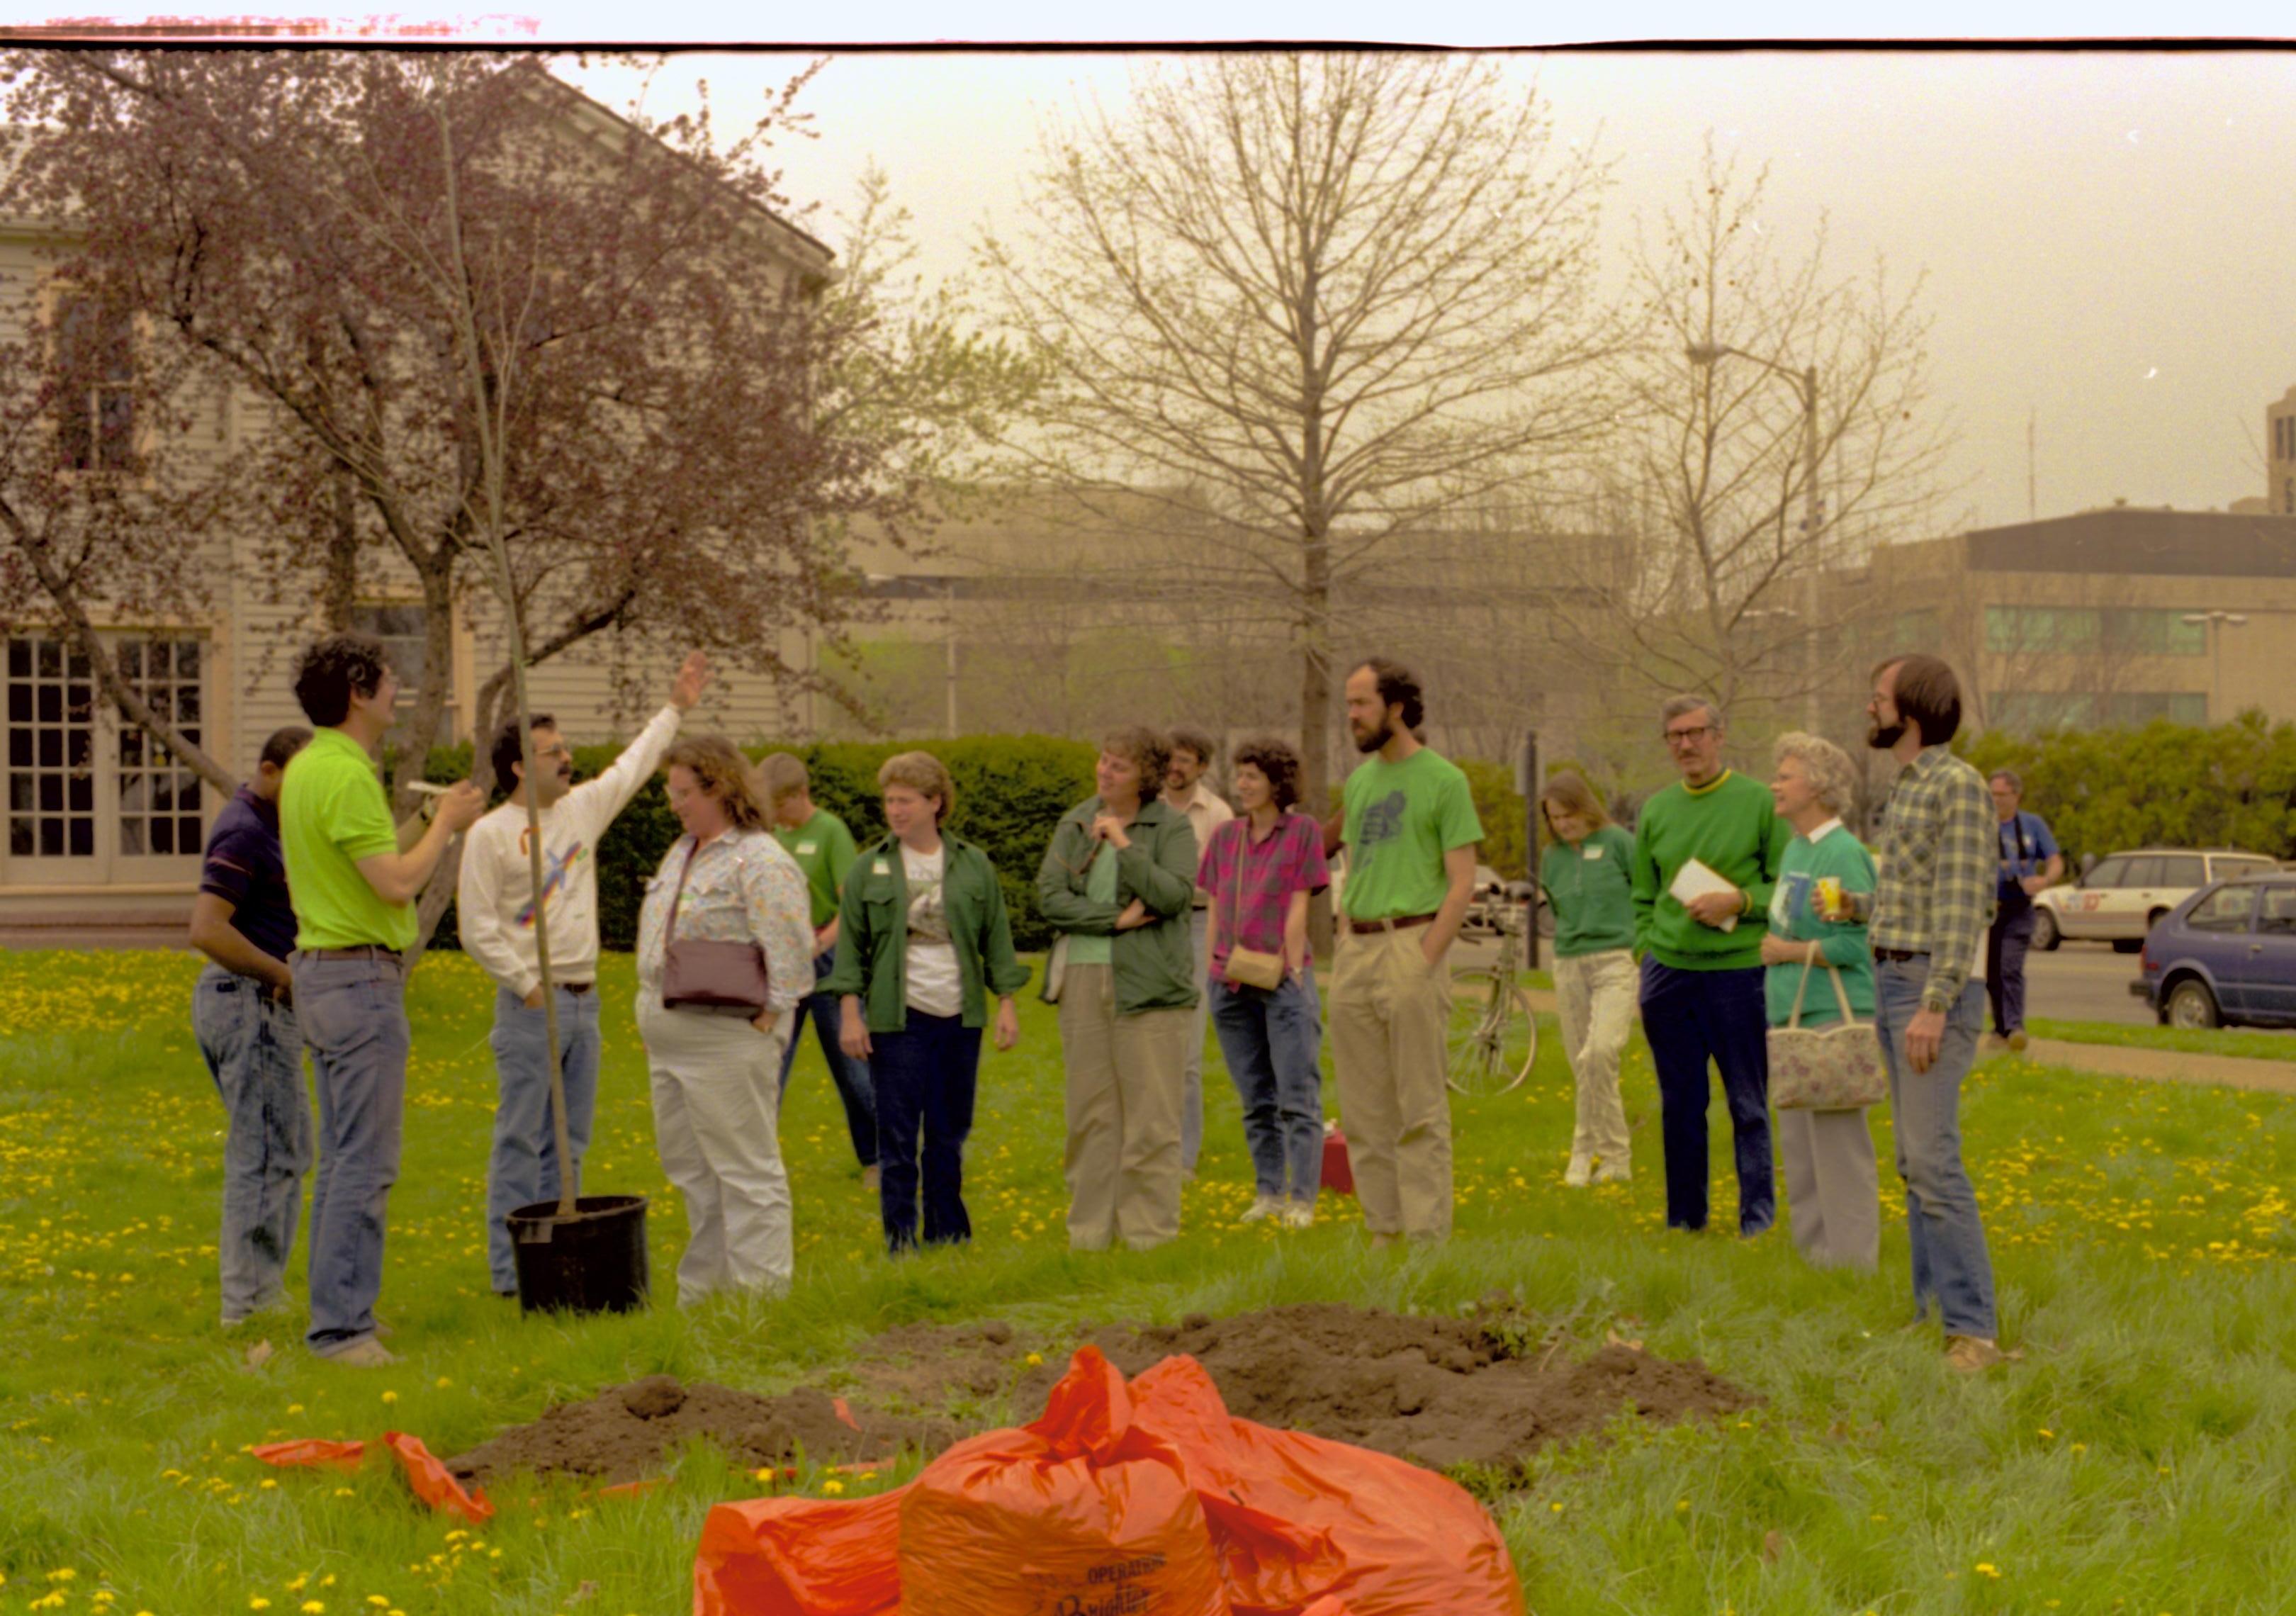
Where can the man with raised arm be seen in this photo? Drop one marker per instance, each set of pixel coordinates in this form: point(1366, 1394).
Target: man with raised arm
point(496, 907)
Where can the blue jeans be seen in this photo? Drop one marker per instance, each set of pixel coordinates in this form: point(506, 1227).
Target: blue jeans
point(851, 1076)
point(255, 1053)
point(1950, 1262)
point(1690, 1017)
point(925, 1076)
point(1270, 1041)
point(354, 1018)
point(523, 1166)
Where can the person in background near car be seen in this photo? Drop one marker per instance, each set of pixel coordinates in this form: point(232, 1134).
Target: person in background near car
point(353, 877)
point(1833, 1183)
point(1701, 973)
point(925, 941)
point(243, 1017)
point(2031, 864)
point(715, 1118)
point(1117, 881)
point(1192, 752)
point(1411, 835)
point(1940, 859)
point(1260, 870)
point(823, 847)
point(494, 903)
point(1586, 872)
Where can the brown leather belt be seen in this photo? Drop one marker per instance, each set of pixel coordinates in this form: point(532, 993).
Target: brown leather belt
point(1364, 928)
point(369, 951)
point(1899, 956)
point(578, 987)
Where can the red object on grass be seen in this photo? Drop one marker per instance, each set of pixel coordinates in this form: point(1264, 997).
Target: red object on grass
point(1121, 1497)
point(1337, 1176)
point(432, 1482)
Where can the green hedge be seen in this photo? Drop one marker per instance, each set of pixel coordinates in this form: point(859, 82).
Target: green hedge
point(1011, 792)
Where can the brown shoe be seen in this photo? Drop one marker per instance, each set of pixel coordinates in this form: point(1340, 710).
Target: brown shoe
point(869, 1178)
point(1380, 1242)
point(1971, 1354)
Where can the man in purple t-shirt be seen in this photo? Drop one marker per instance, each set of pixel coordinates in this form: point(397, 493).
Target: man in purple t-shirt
point(244, 1016)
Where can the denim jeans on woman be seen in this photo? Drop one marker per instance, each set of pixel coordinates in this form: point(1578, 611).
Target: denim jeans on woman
point(522, 1168)
point(855, 1089)
point(1271, 1040)
point(926, 1076)
point(1950, 1262)
point(353, 1013)
point(254, 1051)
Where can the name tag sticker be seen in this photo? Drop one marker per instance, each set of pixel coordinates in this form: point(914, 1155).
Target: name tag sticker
point(804, 849)
point(1596, 853)
point(881, 868)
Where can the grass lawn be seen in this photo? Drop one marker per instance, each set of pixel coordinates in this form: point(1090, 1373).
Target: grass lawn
point(2248, 1043)
point(2138, 1460)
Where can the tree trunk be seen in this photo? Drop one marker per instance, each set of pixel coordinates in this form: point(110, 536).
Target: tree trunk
point(339, 586)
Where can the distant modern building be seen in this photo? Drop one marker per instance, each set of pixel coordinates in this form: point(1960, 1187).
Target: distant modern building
point(2280, 434)
point(2113, 617)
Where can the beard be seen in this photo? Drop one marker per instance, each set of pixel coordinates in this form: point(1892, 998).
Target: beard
point(1881, 737)
point(1378, 737)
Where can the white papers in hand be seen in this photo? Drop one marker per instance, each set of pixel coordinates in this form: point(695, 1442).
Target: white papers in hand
point(1696, 879)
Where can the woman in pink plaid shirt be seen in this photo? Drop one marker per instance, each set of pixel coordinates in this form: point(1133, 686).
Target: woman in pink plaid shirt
point(1260, 869)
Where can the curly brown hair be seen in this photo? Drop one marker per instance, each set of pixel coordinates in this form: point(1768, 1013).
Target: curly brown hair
point(1150, 749)
point(923, 774)
point(1274, 759)
point(723, 772)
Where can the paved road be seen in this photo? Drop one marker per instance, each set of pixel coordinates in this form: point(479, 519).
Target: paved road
point(2076, 982)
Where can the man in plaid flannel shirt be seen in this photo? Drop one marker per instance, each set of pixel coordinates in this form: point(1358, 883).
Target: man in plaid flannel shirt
point(1934, 903)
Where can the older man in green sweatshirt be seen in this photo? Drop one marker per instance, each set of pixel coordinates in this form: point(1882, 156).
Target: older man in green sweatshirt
point(1706, 860)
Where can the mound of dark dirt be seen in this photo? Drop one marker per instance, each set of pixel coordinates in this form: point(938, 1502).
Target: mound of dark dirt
point(1438, 1391)
point(626, 1432)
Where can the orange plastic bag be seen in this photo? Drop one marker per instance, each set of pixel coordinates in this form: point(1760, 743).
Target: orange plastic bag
point(1086, 1511)
point(432, 1482)
point(1289, 1524)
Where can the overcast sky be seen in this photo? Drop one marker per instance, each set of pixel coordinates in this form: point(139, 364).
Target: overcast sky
point(2110, 239)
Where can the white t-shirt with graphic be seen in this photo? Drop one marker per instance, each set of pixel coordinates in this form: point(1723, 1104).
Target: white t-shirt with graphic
point(934, 987)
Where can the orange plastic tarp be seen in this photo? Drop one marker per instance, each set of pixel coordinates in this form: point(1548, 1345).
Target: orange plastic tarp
point(1145, 1497)
point(431, 1481)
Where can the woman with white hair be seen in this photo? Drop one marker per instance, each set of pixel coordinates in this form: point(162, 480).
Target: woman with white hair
point(1818, 930)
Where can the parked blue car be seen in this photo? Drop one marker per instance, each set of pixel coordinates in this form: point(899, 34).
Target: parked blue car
point(2225, 955)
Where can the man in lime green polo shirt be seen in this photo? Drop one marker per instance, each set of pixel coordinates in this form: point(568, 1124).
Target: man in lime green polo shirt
point(352, 877)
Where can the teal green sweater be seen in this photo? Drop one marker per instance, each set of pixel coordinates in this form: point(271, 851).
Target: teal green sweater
point(1591, 890)
point(1841, 943)
point(1733, 827)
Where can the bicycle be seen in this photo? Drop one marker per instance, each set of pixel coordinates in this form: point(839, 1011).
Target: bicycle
point(1493, 1033)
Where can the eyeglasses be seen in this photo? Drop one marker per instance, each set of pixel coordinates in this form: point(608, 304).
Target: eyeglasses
point(1686, 737)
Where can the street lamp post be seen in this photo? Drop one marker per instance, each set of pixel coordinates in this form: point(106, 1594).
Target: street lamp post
point(2215, 621)
point(1805, 382)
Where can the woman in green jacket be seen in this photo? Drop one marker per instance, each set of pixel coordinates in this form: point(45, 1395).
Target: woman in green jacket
point(1818, 926)
point(922, 940)
point(1116, 883)
point(1587, 874)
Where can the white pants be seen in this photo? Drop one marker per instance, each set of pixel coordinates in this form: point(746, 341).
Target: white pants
point(714, 1079)
point(1594, 998)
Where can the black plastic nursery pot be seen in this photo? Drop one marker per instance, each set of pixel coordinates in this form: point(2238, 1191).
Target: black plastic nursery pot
point(593, 1262)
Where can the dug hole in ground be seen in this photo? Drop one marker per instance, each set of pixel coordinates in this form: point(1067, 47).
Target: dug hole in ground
point(1276, 1462)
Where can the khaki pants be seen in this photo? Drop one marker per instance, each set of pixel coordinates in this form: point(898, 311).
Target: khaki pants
point(1389, 1018)
point(1124, 1079)
point(716, 1080)
point(1833, 1186)
point(1594, 998)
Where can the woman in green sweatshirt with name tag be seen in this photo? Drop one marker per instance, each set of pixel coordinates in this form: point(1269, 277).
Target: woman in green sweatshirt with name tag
point(1817, 929)
point(1586, 873)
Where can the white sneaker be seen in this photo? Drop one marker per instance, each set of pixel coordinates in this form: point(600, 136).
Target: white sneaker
point(1581, 1169)
point(1299, 1215)
point(1614, 1172)
point(1263, 1207)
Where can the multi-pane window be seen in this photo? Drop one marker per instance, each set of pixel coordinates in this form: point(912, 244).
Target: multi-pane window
point(2106, 630)
point(95, 406)
point(51, 751)
point(159, 797)
point(402, 631)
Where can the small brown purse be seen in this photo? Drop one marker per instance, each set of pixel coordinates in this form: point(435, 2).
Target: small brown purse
point(704, 974)
point(1247, 967)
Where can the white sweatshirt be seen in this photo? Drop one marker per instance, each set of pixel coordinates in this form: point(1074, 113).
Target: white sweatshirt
point(495, 897)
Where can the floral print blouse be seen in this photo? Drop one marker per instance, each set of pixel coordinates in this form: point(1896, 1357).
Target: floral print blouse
point(743, 886)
